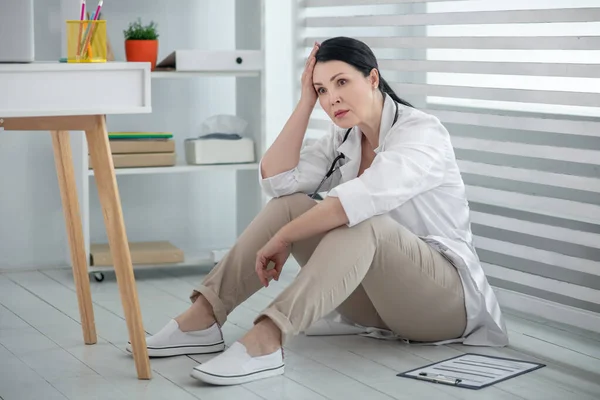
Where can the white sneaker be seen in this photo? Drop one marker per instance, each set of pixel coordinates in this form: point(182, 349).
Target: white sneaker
point(235, 366)
point(171, 341)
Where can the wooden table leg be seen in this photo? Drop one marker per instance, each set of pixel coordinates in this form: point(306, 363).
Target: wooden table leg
point(68, 193)
point(110, 201)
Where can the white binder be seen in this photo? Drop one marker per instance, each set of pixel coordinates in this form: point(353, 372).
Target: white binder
point(203, 60)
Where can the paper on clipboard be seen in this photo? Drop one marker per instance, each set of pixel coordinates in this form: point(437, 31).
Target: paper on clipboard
point(472, 371)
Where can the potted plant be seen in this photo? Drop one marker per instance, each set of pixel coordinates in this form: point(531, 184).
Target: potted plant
point(141, 43)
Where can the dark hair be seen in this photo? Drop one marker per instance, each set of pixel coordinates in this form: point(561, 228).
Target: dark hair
point(357, 54)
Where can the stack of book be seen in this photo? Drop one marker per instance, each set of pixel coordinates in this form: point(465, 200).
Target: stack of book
point(141, 149)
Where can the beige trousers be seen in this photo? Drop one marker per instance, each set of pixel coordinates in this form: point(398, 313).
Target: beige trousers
point(377, 274)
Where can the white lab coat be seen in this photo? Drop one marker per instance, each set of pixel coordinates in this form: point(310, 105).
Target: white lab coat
point(415, 179)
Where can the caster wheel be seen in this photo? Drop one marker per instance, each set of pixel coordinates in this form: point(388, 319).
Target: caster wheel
point(98, 276)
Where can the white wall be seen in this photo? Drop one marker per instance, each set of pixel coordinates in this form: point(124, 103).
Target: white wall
point(193, 211)
point(279, 53)
point(31, 225)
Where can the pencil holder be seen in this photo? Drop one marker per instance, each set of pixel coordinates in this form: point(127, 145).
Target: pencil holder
point(86, 41)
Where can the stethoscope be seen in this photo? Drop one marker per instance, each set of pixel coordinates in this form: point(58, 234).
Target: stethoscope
point(333, 168)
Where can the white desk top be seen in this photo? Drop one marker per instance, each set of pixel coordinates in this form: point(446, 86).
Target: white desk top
point(53, 89)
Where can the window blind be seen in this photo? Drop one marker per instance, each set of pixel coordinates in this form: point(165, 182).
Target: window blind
point(517, 84)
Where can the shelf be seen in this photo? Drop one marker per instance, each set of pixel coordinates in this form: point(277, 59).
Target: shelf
point(191, 74)
point(200, 259)
point(180, 169)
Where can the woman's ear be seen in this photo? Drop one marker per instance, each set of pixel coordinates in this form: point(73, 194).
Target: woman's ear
point(374, 78)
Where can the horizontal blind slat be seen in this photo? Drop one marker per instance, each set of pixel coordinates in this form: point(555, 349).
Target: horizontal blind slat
point(569, 249)
point(540, 124)
point(539, 217)
point(529, 162)
point(502, 68)
point(535, 189)
point(535, 229)
point(563, 288)
point(461, 18)
point(345, 3)
point(559, 208)
point(495, 94)
point(536, 268)
point(475, 42)
point(531, 176)
point(528, 150)
point(549, 309)
point(541, 256)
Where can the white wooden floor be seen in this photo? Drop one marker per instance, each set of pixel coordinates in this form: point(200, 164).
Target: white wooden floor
point(42, 355)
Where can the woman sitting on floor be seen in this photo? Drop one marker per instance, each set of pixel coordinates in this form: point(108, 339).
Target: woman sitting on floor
point(390, 247)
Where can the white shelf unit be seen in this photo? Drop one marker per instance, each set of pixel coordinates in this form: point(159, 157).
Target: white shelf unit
point(192, 74)
point(249, 104)
point(182, 168)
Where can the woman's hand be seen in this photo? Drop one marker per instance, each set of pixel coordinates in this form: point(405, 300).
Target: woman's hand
point(309, 94)
point(277, 251)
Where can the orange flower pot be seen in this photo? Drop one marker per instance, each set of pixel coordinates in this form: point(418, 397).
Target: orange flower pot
point(142, 51)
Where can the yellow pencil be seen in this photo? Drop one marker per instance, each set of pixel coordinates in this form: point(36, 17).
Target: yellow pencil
point(88, 40)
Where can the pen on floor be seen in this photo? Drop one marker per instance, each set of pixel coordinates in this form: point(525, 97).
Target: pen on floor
point(439, 378)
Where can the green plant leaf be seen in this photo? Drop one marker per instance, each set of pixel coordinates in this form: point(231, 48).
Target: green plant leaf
point(137, 31)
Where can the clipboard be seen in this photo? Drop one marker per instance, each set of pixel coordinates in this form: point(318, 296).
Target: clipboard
point(472, 371)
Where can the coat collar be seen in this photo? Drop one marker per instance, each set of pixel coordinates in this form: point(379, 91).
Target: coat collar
point(351, 147)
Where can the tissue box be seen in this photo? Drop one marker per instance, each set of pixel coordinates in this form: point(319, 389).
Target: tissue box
point(199, 151)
